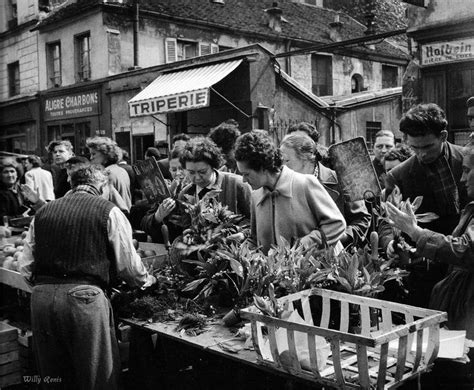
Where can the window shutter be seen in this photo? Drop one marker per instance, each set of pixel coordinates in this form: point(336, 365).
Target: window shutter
point(214, 48)
point(204, 49)
point(171, 50)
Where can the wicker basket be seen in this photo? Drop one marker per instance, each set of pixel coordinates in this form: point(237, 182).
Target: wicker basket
point(380, 355)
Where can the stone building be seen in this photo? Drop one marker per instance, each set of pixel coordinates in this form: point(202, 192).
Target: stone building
point(85, 48)
point(442, 71)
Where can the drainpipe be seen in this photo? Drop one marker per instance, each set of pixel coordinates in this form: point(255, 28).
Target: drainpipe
point(288, 59)
point(136, 27)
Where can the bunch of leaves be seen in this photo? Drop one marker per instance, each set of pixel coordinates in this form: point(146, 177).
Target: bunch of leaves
point(396, 198)
point(290, 267)
point(247, 273)
point(210, 223)
point(358, 273)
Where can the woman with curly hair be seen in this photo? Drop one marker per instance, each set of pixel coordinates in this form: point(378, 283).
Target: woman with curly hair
point(105, 151)
point(285, 203)
point(224, 136)
point(201, 160)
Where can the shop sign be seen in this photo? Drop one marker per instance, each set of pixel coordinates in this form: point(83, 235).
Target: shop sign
point(178, 102)
point(71, 105)
point(443, 52)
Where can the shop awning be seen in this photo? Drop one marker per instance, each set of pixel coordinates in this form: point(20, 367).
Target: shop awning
point(180, 91)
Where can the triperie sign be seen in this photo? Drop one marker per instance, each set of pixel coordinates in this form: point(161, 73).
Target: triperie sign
point(178, 102)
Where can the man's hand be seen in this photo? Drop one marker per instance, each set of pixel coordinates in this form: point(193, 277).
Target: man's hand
point(151, 280)
point(31, 195)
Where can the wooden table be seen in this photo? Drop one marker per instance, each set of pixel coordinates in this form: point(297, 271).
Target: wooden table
point(162, 358)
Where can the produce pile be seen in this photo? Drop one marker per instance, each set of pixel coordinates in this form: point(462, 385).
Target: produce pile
point(10, 253)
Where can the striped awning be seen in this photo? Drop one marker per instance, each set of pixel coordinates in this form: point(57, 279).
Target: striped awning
point(180, 91)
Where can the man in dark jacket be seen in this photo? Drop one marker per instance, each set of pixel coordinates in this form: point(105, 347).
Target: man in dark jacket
point(434, 172)
point(76, 246)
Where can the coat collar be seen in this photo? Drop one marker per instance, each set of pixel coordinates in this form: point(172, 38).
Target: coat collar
point(283, 187)
point(326, 175)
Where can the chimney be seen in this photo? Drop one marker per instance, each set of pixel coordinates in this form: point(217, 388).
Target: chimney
point(335, 28)
point(274, 17)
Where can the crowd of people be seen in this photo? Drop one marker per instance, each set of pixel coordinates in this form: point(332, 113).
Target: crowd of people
point(80, 239)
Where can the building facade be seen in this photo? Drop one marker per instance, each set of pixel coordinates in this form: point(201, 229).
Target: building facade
point(443, 69)
point(85, 46)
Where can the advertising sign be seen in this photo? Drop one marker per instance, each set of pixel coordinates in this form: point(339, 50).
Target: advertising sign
point(444, 52)
point(178, 102)
point(72, 105)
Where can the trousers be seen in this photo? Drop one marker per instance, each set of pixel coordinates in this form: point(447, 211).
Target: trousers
point(74, 337)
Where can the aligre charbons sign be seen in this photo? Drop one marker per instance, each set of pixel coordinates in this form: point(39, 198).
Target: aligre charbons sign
point(72, 105)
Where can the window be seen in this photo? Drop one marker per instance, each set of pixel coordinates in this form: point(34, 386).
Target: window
point(357, 83)
point(53, 58)
point(14, 78)
point(181, 49)
point(321, 74)
point(389, 76)
point(371, 128)
point(83, 63)
point(208, 48)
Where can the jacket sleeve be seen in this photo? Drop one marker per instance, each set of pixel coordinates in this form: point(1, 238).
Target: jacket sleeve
point(458, 251)
point(330, 221)
point(357, 219)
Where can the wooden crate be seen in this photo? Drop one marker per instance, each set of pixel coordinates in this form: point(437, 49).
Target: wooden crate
point(14, 279)
point(10, 368)
point(375, 354)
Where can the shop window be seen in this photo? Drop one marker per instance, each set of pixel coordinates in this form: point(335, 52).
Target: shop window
point(357, 83)
point(180, 49)
point(53, 59)
point(321, 74)
point(389, 76)
point(83, 63)
point(14, 78)
point(371, 128)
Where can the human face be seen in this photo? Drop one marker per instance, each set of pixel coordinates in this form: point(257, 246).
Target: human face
point(256, 179)
point(292, 161)
point(27, 165)
point(176, 170)
point(97, 157)
point(390, 164)
point(9, 176)
point(199, 173)
point(382, 146)
point(470, 120)
point(427, 148)
point(61, 154)
point(468, 173)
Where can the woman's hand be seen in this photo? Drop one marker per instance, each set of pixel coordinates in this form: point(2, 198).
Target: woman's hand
point(164, 209)
point(406, 222)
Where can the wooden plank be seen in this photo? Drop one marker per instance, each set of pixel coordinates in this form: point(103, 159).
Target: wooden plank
point(9, 357)
point(256, 335)
point(382, 372)
point(313, 356)
point(7, 332)
point(402, 354)
point(365, 320)
point(336, 361)
point(419, 349)
point(274, 346)
point(363, 365)
point(326, 313)
point(433, 344)
point(386, 320)
point(14, 279)
point(295, 365)
point(9, 368)
point(308, 317)
point(344, 324)
point(9, 346)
